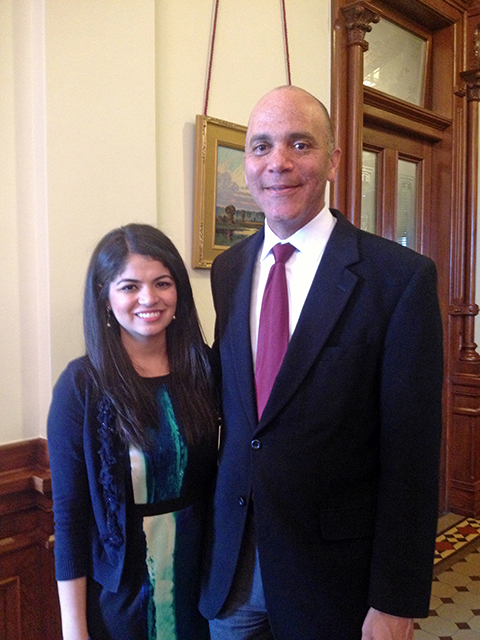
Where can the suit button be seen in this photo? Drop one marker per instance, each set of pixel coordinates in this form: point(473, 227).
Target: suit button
point(255, 444)
point(241, 501)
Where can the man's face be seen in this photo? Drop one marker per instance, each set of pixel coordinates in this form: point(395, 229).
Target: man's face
point(287, 161)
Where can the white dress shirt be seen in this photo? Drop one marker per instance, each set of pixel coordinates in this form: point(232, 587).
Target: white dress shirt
point(309, 242)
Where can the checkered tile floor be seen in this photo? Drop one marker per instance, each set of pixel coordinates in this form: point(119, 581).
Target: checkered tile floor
point(455, 602)
point(455, 538)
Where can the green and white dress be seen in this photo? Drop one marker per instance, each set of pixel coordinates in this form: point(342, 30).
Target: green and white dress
point(158, 595)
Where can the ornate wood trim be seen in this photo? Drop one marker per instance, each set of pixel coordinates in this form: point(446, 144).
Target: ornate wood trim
point(472, 79)
point(472, 82)
point(358, 19)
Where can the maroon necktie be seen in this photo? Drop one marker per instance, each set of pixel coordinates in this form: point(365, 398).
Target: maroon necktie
point(273, 328)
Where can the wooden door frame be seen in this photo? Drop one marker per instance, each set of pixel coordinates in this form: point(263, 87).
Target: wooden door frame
point(451, 123)
point(413, 149)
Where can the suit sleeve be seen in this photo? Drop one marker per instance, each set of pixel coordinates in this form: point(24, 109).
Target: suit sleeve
point(411, 418)
point(216, 362)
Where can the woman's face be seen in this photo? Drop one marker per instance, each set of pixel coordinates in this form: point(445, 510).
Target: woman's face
point(143, 298)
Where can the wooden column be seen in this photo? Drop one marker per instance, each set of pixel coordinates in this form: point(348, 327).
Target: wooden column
point(358, 19)
point(472, 79)
point(464, 441)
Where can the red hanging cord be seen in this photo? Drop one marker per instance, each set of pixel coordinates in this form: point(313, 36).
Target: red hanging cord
point(210, 62)
point(287, 55)
point(214, 30)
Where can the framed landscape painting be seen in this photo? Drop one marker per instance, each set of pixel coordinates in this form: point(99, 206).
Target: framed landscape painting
point(224, 211)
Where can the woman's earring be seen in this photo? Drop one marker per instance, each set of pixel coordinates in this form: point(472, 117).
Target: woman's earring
point(174, 317)
point(109, 317)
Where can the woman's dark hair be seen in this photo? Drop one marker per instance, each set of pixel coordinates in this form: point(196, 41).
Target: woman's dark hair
point(109, 363)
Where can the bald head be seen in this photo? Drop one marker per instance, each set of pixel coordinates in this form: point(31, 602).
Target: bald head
point(300, 96)
point(289, 157)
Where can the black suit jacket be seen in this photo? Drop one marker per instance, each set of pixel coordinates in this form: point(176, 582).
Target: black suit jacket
point(343, 465)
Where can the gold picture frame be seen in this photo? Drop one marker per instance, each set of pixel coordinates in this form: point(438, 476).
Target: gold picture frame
point(224, 211)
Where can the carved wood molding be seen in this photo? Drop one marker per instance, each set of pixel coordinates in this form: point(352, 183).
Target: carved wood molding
point(358, 18)
point(427, 122)
point(26, 453)
point(463, 309)
point(401, 124)
point(472, 81)
point(468, 352)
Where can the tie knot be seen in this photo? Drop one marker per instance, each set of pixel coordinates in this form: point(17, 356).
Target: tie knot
point(282, 252)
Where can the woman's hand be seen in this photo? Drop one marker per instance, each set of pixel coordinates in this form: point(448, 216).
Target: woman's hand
point(382, 626)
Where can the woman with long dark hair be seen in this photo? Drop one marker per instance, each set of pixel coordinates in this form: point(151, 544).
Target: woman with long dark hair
point(132, 434)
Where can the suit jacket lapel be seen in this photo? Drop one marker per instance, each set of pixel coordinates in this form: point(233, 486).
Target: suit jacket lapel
point(331, 288)
point(239, 326)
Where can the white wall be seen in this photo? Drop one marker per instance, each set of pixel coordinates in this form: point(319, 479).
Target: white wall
point(97, 109)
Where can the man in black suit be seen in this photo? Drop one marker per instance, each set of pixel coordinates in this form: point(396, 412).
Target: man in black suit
point(324, 515)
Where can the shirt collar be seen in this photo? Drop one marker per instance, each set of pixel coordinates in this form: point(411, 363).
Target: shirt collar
point(310, 239)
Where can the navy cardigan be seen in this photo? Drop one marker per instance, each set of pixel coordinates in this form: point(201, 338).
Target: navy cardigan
point(89, 468)
point(91, 480)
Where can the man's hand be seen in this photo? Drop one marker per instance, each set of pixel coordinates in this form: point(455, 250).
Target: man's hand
point(382, 626)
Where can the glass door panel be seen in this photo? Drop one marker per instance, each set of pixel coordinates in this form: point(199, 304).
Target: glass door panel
point(406, 222)
point(369, 191)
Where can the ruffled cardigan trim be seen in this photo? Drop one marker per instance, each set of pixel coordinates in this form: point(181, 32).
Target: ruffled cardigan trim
point(110, 472)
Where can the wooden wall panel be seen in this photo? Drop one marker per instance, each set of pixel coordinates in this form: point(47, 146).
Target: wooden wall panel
point(29, 607)
point(10, 609)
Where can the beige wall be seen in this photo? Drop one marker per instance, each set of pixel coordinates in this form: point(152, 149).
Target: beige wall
point(101, 152)
point(10, 352)
point(97, 109)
